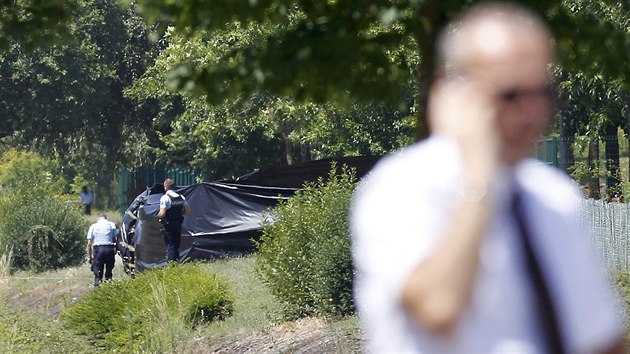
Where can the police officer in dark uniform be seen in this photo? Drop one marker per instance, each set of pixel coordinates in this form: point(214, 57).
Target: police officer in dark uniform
point(173, 207)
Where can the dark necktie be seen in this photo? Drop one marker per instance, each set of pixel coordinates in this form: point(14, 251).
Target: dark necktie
point(548, 317)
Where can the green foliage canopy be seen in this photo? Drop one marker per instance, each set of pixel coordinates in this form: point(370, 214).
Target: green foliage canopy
point(34, 23)
point(314, 50)
point(258, 129)
point(65, 99)
point(594, 80)
point(329, 50)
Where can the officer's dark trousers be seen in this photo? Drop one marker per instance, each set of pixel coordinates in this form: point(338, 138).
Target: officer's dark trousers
point(103, 260)
point(172, 232)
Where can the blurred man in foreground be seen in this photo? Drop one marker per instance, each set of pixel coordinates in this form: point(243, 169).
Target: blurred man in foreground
point(482, 250)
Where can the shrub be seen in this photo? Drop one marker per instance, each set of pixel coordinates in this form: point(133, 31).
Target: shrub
point(152, 311)
point(46, 235)
point(44, 232)
point(30, 176)
point(304, 255)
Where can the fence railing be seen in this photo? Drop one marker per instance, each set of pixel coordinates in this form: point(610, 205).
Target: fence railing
point(609, 226)
point(132, 182)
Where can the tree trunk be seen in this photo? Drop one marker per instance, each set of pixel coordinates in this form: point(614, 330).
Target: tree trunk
point(593, 164)
point(434, 19)
point(625, 101)
point(305, 152)
point(612, 160)
point(567, 158)
point(288, 150)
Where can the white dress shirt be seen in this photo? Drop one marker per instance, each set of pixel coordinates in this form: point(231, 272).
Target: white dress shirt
point(399, 214)
point(102, 232)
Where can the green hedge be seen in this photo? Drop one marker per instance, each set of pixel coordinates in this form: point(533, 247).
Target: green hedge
point(304, 255)
point(47, 234)
point(142, 314)
point(43, 231)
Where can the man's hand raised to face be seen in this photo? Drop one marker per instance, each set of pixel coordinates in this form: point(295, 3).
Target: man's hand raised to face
point(465, 111)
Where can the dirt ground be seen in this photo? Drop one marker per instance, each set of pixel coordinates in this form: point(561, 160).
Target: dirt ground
point(310, 335)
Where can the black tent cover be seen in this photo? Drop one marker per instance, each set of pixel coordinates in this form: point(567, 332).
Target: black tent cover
point(227, 216)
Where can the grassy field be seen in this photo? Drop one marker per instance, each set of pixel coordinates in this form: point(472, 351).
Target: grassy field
point(30, 306)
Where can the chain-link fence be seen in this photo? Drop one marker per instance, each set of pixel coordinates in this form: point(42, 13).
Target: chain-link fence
point(609, 224)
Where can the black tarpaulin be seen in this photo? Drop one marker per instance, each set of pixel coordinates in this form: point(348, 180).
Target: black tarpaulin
point(294, 176)
point(226, 218)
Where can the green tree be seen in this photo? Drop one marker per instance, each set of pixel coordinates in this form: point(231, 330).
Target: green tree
point(34, 23)
point(334, 49)
point(256, 129)
point(330, 50)
point(593, 107)
point(30, 176)
point(592, 98)
point(66, 99)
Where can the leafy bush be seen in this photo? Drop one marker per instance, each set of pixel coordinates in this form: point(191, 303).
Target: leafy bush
point(304, 255)
point(30, 176)
point(146, 313)
point(43, 232)
point(46, 235)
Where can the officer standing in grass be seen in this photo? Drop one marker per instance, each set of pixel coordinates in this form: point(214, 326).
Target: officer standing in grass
point(173, 207)
point(101, 247)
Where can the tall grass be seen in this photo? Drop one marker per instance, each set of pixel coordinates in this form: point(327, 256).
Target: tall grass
point(22, 331)
point(258, 315)
point(167, 327)
point(5, 262)
point(254, 307)
point(162, 325)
